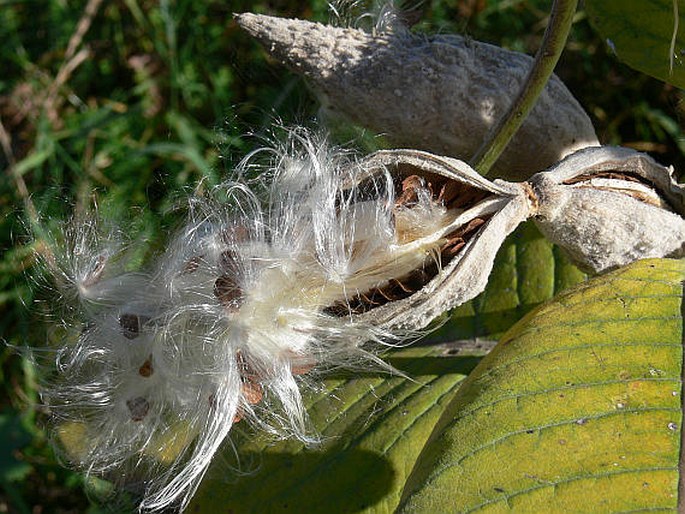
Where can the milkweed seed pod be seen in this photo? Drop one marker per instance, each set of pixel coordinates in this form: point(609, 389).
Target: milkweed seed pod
point(477, 215)
point(610, 206)
point(270, 279)
point(437, 93)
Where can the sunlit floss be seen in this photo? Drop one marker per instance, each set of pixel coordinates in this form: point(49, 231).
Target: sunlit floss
point(269, 279)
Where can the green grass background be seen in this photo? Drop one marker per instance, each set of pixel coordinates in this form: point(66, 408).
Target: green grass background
point(135, 104)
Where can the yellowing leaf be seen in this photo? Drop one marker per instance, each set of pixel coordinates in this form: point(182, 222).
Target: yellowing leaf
point(373, 428)
point(577, 409)
point(169, 445)
point(73, 437)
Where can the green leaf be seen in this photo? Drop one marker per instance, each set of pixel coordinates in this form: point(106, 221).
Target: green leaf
point(181, 152)
point(640, 32)
point(373, 427)
point(579, 405)
point(528, 271)
point(32, 161)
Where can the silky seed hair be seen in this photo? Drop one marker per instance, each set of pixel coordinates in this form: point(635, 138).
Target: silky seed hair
point(373, 16)
point(256, 290)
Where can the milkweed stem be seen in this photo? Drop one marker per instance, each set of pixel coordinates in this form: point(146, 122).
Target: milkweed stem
point(553, 42)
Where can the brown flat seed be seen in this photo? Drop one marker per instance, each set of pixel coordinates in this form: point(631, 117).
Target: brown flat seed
point(192, 264)
point(453, 247)
point(252, 392)
point(471, 227)
point(402, 286)
point(228, 293)
point(245, 368)
point(459, 238)
point(96, 272)
point(449, 192)
point(130, 325)
point(138, 407)
point(146, 369)
point(410, 190)
point(387, 294)
point(467, 230)
point(369, 297)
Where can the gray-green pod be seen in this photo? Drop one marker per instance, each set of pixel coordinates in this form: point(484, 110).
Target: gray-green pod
point(437, 93)
point(609, 206)
point(484, 214)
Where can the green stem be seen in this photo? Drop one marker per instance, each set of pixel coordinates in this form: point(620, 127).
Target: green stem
point(553, 42)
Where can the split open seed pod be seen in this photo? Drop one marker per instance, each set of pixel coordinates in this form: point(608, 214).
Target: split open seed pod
point(609, 206)
point(478, 215)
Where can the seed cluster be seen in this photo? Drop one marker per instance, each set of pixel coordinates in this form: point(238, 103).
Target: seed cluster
point(278, 278)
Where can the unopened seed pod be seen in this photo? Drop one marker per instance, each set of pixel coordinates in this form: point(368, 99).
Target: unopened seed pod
point(610, 206)
point(437, 93)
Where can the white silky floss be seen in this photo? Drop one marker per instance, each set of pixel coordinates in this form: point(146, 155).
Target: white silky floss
point(164, 361)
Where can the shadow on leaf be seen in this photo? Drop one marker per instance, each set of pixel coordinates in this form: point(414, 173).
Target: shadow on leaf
point(331, 481)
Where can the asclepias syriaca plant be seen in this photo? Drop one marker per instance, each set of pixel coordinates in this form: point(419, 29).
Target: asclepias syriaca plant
point(322, 259)
point(301, 269)
point(316, 264)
